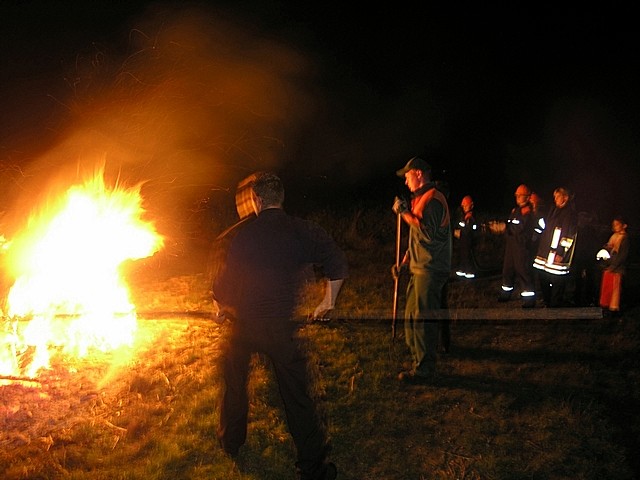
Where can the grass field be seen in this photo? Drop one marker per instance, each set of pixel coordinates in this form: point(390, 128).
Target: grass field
point(514, 399)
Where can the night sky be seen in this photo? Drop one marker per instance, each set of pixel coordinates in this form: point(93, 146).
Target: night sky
point(334, 98)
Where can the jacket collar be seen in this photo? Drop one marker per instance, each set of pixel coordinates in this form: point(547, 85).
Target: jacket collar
point(425, 188)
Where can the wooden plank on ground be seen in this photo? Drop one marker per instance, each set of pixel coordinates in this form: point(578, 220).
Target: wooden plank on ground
point(462, 314)
point(572, 313)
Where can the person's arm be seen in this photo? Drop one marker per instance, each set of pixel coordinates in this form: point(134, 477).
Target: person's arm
point(323, 251)
point(620, 258)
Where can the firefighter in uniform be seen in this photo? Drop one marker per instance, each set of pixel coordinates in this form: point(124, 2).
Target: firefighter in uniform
point(465, 232)
point(520, 235)
point(555, 251)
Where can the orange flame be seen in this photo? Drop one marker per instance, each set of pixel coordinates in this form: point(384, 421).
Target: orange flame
point(68, 286)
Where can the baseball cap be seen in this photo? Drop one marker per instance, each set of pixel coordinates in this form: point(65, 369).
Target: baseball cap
point(416, 163)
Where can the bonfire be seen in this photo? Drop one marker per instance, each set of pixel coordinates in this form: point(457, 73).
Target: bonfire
point(68, 295)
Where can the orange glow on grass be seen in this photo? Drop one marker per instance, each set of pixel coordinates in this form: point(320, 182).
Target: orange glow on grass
point(69, 294)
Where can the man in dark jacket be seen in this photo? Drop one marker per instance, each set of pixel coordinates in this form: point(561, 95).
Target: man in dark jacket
point(258, 287)
point(518, 253)
point(466, 232)
point(428, 259)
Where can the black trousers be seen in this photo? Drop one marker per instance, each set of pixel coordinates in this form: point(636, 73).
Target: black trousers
point(290, 363)
point(554, 289)
point(517, 267)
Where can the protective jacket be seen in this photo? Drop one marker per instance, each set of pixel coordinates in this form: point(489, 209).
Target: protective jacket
point(558, 240)
point(430, 245)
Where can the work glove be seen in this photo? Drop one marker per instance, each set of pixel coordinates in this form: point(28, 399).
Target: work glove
point(400, 206)
point(328, 303)
point(397, 270)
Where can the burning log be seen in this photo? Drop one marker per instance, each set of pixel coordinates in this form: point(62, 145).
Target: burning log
point(24, 381)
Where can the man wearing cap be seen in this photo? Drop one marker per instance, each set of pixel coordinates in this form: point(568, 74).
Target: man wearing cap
point(428, 259)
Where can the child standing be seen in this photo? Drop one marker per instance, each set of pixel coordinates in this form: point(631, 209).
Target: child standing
point(614, 258)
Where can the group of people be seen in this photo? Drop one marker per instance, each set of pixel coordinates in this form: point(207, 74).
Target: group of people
point(256, 288)
point(539, 251)
point(539, 242)
point(262, 271)
point(541, 254)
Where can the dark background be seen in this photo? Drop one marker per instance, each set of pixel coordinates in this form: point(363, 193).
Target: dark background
point(343, 96)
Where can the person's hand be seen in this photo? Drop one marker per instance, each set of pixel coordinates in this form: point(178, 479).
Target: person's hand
point(321, 311)
point(219, 317)
point(219, 314)
point(400, 206)
point(396, 270)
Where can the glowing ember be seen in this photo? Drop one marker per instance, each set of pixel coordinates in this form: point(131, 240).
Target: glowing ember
point(69, 295)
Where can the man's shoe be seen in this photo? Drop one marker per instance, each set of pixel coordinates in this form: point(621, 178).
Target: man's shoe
point(230, 452)
point(410, 378)
point(331, 472)
point(504, 297)
point(408, 365)
point(328, 471)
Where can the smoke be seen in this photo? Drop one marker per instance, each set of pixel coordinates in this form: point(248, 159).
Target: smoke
point(193, 104)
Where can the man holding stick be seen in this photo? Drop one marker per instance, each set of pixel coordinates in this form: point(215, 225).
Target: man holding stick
point(428, 259)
